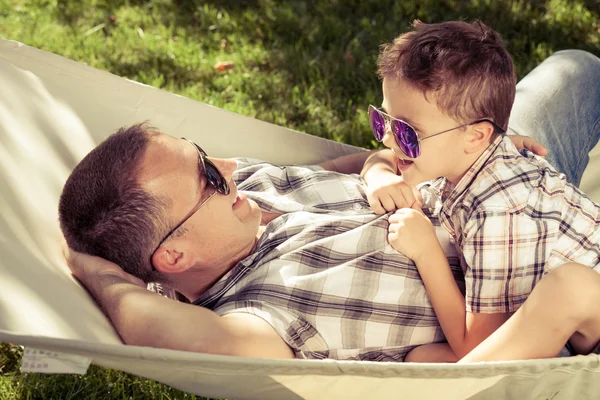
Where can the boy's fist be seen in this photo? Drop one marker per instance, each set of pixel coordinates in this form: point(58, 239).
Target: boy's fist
point(411, 233)
point(387, 192)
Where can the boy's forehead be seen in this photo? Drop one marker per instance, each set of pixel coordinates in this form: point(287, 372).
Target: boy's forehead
point(400, 86)
point(388, 87)
point(400, 98)
point(404, 101)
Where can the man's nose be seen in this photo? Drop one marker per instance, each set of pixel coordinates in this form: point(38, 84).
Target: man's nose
point(226, 165)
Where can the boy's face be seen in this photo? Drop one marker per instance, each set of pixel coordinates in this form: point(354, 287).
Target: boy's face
point(442, 155)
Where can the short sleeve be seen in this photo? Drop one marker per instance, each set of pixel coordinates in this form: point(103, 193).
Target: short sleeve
point(298, 333)
point(503, 255)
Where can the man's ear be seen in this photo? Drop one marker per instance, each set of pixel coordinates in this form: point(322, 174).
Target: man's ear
point(478, 137)
point(172, 259)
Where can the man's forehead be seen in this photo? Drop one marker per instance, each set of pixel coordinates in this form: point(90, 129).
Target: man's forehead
point(162, 149)
point(166, 162)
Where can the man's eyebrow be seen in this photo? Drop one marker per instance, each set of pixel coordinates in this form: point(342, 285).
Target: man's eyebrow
point(408, 121)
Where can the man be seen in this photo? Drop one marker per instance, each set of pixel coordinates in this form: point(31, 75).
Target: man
point(313, 274)
point(258, 282)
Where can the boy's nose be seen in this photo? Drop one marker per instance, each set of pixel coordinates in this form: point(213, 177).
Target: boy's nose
point(388, 138)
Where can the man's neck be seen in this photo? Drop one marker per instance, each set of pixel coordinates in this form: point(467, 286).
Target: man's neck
point(268, 217)
point(196, 291)
point(190, 287)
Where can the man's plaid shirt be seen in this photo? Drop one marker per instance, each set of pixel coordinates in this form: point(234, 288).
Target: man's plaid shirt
point(514, 218)
point(323, 274)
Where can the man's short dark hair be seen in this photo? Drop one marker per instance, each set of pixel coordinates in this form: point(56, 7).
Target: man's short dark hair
point(103, 210)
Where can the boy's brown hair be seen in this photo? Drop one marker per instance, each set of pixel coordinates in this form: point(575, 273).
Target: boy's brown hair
point(464, 65)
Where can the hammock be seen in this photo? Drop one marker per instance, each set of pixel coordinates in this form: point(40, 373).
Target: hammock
point(52, 112)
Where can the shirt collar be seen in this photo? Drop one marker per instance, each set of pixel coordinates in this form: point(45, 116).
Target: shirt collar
point(451, 192)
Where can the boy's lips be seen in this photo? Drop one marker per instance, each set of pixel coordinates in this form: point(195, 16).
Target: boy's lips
point(403, 165)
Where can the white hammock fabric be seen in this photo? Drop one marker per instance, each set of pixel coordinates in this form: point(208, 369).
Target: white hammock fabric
point(52, 112)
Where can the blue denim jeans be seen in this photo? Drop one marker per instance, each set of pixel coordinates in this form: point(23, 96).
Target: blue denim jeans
point(558, 104)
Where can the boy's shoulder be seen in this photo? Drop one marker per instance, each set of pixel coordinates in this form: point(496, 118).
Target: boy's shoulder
point(509, 179)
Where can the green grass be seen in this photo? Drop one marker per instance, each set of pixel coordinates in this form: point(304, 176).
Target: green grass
point(98, 383)
point(307, 65)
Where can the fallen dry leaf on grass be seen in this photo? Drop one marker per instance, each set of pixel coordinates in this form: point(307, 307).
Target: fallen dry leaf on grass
point(224, 65)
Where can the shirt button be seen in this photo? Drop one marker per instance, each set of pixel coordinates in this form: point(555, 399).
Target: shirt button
point(356, 206)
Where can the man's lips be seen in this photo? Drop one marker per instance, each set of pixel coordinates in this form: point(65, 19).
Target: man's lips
point(239, 200)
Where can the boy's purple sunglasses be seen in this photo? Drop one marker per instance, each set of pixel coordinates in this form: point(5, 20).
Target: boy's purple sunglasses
point(405, 135)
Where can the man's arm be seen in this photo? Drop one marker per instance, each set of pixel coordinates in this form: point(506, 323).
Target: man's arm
point(348, 164)
point(144, 318)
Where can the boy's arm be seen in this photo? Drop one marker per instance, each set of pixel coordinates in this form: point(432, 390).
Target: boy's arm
point(386, 190)
point(411, 233)
point(377, 162)
point(463, 330)
point(144, 318)
point(505, 254)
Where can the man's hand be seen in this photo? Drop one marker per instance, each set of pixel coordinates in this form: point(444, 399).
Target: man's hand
point(85, 267)
point(143, 318)
point(525, 142)
point(411, 233)
point(387, 191)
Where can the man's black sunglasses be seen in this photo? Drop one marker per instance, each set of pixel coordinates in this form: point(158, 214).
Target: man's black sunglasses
point(214, 179)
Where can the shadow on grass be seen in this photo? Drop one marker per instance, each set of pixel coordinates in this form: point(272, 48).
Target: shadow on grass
point(523, 25)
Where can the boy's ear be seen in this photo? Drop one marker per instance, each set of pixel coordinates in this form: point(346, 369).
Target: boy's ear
point(478, 137)
point(171, 259)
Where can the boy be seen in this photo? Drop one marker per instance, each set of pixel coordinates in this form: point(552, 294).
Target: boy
point(513, 217)
point(563, 303)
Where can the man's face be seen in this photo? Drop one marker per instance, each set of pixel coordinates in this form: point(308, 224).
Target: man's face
point(440, 155)
point(223, 230)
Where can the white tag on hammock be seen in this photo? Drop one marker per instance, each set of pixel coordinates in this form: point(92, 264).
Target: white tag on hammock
point(53, 362)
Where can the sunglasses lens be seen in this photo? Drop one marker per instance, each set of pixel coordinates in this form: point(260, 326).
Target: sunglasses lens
point(407, 139)
point(214, 177)
point(377, 123)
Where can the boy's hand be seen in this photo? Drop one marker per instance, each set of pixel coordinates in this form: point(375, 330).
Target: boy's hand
point(411, 233)
point(387, 191)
